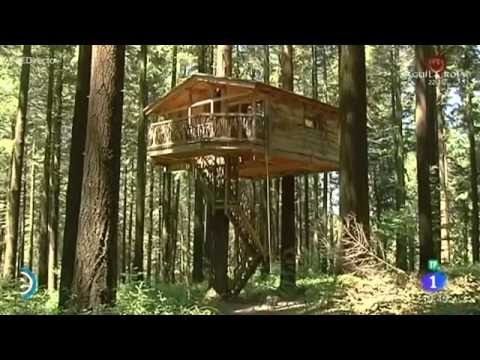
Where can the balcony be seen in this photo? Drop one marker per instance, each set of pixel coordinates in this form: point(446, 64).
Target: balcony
point(225, 128)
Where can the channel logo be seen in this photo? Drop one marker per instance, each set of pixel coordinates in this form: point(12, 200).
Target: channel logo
point(29, 283)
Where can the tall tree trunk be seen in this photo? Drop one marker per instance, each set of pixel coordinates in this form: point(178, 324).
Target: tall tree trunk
point(13, 197)
point(189, 225)
point(325, 174)
point(141, 171)
point(123, 271)
point(45, 203)
point(423, 123)
point(198, 233)
point(263, 225)
point(161, 212)
point(130, 232)
point(468, 114)
point(401, 238)
point(306, 215)
point(150, 226)
point(288, 239)
point(220, 219)
point(199, 210)
point(224, 61)
point(298, 212)
point(21, 250)
point(175, 232)
point(209, 55)
point(353, 141)
point(277, 213)
point(202, 58)
point(167, 258)
point(55, 182)
point(75, 172)
point(266, 64)
point(31, 212)
point(446, 249)
point(95, 275)
point(174, 66)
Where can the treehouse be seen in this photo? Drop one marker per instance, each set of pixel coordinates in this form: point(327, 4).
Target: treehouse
point(252, 121)
point(230, 130)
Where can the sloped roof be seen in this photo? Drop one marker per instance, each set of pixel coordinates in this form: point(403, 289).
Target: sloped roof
point(201, 82)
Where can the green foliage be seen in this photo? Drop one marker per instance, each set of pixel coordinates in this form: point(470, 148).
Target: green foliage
point(6, 146)
point(11, 303)
point(139, 299)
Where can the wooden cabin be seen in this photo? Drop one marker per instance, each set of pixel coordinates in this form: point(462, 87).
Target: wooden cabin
point(207, 115)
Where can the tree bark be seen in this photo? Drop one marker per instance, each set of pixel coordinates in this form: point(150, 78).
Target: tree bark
point(31, 212)
point(130, 232)
point(266, 64)
point(150, 226)
point(75, 172)
point(220, 219)
point(174, 66)
point(353, 140)
point(175, 232)
point(211, 50)
point(16, 168)
point(21, 250)
point(201, 58)
point(224, 61)
point(55, 182)
point(161, 197)
point(423, 122)
point(288, 239)
point(306, 211)
point(45, 203)
point(325, 174)
point(446, 248)
point(95, 275)
point(400, 194)
point(167, 256)
point(468, 115)
point(141, 171)
point(123, 272)
point(198, 233)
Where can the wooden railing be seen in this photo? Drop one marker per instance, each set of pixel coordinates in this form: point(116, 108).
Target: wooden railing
point(207, 127)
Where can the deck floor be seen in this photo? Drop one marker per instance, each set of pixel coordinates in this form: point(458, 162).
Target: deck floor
point(252, 159)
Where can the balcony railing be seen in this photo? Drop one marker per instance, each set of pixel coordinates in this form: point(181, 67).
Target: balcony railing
point(228, 127)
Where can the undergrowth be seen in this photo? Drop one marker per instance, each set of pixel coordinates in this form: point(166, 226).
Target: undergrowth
point(378, 293)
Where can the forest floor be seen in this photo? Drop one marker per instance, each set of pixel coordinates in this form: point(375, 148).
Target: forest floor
point(379, 294)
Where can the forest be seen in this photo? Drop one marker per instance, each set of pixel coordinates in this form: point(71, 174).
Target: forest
point(106, 223)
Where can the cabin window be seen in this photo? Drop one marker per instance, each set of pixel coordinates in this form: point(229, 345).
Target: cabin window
point(309, 124)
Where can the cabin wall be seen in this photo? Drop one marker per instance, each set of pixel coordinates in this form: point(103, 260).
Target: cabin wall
point(300, 129)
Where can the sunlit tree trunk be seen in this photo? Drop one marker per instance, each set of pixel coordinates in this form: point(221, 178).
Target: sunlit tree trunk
point(95, 274)
point(396, 104)
point(55, 181)
point(45, 202)
point(140, 170)
point(446, 249)
point(123, 271)
point(424, 157)
point(75, 172)
point(353, 141)
point(467, 95)
point(266, 64)
point(16, 168)
point(150, 226)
